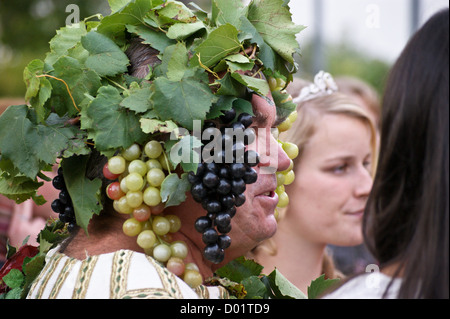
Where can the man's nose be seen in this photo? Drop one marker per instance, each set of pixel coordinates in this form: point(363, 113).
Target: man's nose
point(274, 158)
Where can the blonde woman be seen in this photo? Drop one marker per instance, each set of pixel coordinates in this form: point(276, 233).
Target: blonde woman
point(337, 143)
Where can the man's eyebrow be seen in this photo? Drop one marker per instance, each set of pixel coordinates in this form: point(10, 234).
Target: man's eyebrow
point(260, 119)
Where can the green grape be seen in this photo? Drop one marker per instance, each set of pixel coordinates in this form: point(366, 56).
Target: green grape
point(138, 166)
point(152, 196)
point(146, 239)
point(153, 163)
point(291, 150)
point(192, 266)
point(166, 165)
point(273, 84)
point(285, 126)
point(280, 189)
point(280, 178)
point(161, 225)
point(155, 177)
point(289, 178)
point(117, 165)
point(192, 278)
point(162, 253)
point(131, 153)
point(123, 185)
point(291, 166)
point(283, 200)
point(175, 223)
point(153, 149)
point(134, 182)
point(131, 227)
point(293, 116)
point(121, 206)
point(134, 199)
point(179, 249)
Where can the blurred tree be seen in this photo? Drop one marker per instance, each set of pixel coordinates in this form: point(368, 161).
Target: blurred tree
point(26, 27)
point(343, 59)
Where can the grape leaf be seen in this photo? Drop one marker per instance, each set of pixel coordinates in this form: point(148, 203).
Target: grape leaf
point(14, 278)
point(106, 58)
point(273, 21)
point(66, 38)
point(185, 152)
point(173, 12)
point(112, 126)
point(150, 126)
point(18, 188)
point(157, 39)
point(83, 192)
point(138, 100)
point(320, 285)
point(183, 101)
point(80, 81)
point(239, 269)
point(221, 42)
point(133, 13)
point(283, 288)
point(31, 146)
point(174, 62)
point(228, 11)
point(266, 54)
point(181, 31)
point(117, 5)
point(254, 287)
point(258, 85)
point(284, 105)
point(173, 189)
point(33, 68)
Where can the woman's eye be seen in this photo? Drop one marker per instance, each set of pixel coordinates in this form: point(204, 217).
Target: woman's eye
point(367, 164)
point(340, 169)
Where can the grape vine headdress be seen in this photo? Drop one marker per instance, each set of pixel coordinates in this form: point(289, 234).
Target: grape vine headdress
point(83, 100)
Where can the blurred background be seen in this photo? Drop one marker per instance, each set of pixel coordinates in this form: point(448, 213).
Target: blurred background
point(359, 38)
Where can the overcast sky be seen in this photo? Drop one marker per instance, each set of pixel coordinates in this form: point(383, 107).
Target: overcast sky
point(379, 27)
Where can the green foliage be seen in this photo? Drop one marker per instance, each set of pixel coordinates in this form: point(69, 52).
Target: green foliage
point(18, 280)
point(244, 279)
point(83, 80)
point(320, 285)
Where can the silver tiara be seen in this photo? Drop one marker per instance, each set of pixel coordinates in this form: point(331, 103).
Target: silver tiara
point(324, 84)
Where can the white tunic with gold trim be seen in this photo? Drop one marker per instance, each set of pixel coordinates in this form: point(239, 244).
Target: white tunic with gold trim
point(119, 275)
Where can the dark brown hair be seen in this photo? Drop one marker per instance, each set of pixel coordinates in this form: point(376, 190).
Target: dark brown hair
point(407, 219)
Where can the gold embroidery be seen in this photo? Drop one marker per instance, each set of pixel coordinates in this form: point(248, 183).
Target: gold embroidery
point(119, 273)
point(84, 277)
point(168, 279)
point(48, 270)
point(149, 293)
point(65, 271)
point(202, 292)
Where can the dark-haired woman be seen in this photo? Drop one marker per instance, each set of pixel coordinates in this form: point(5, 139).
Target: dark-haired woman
point(406, 225)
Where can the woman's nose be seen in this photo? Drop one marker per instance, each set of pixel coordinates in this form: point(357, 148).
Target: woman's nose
point(364, 183)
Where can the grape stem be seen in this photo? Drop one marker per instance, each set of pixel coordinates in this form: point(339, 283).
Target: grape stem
point(67, 87)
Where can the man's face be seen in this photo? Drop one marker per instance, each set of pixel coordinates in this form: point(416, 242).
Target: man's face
point(255, 221)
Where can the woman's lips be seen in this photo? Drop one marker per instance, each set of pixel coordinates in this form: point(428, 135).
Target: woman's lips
point(358, 213)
